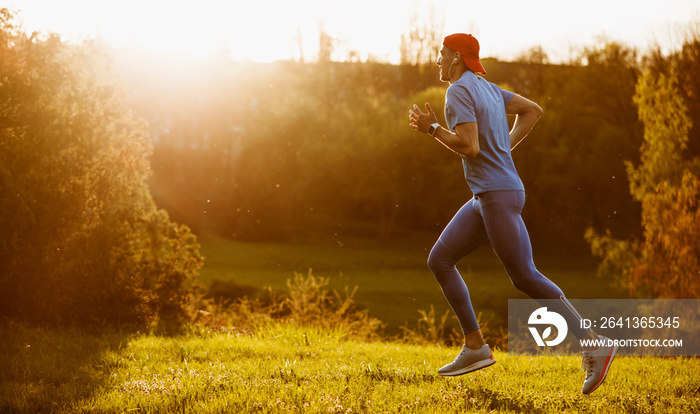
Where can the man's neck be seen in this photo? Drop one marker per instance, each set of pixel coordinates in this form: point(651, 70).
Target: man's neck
point(457, 75)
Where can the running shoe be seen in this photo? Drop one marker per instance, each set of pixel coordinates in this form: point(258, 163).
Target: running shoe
point(597, 363)
point(468, 360)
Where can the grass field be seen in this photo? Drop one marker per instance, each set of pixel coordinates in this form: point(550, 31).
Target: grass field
point(393, 280)
point(282, 368)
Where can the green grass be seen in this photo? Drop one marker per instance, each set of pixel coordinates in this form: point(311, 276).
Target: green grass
point(393, 280)
point(282, 368)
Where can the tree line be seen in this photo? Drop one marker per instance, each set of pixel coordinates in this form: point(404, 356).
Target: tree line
point(111, 161)
point(285, 150)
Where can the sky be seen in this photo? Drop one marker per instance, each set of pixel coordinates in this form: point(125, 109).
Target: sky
point(268, 30)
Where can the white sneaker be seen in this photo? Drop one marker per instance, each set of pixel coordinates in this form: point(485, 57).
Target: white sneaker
point(596, 363)
point(468, 360)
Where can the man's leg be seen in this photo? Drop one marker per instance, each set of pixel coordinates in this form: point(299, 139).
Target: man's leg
point(509, 238)
point(463, 235)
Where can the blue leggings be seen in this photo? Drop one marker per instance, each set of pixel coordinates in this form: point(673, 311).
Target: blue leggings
point(493, 216)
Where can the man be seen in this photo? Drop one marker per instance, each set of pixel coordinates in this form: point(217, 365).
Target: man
point(475, 111)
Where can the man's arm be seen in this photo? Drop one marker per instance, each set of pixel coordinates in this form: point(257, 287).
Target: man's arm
point(527, 114)
point(464, 141)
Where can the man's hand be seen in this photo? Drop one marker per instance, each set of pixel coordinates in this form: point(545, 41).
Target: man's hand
point(528, 113)
point(464, 141)
point(420, 121)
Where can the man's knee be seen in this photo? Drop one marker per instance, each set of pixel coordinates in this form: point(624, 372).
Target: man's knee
point(438, 260)
point(523, 284)
point(433, 261)
point(528, 280)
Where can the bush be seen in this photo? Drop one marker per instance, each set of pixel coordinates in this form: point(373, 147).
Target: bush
point(664, 262)
point(83, 240)
point(429, 331)
point(307, 302)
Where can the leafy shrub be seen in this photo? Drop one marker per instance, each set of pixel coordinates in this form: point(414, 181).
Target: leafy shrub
point(310, 303)
point(664, 262)
point(83, 241)
point(307, 302)
point(431, 330)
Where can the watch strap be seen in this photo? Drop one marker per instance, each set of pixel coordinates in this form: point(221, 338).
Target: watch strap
point(434, 127)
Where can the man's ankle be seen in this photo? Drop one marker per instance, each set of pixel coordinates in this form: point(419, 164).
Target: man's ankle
point(474, 347)
point(474, 340)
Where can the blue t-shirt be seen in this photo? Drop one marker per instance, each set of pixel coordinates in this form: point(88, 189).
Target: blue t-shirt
point(474, 99)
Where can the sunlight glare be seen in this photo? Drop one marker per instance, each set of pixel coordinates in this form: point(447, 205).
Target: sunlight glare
point(248, 30)
point(280, 30)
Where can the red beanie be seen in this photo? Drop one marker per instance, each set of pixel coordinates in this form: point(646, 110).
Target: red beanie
point(468, 46)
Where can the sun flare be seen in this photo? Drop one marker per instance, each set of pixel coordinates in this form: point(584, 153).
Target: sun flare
point(279, 30)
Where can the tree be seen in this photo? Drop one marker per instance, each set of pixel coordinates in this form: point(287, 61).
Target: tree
point(83, 241)
point(326, 44)
point(535, 54)
point(665, 262)
point(685, 62)
point(421, 43)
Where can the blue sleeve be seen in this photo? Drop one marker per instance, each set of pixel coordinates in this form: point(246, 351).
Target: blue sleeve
point(507, 96)
point(459, 106)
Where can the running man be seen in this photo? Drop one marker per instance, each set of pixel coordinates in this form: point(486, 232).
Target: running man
point(475, 111)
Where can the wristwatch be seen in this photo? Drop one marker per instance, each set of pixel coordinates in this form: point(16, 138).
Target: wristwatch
point(432, 128)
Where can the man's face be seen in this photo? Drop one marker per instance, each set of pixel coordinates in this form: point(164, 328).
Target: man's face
point(445, 60)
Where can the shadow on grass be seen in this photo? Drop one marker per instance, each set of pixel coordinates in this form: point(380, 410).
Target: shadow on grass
point(52, 370)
